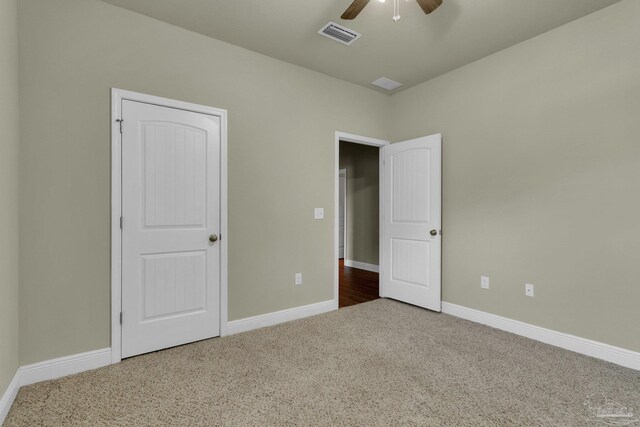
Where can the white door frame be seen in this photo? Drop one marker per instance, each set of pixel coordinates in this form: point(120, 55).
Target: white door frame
point(117, 96)
point(356, 139)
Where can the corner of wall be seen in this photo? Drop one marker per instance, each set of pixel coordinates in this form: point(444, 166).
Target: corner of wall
point(9, 201)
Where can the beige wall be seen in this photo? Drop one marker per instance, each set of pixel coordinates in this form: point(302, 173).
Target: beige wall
point(363, 205)
point(282, 120)
point(542, 176)
point(541, 169)
point(8, 192)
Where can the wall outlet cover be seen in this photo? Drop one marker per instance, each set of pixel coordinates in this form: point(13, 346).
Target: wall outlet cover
point(318, 213)
point(298, 279)
point(484, 282)
point(528, 290)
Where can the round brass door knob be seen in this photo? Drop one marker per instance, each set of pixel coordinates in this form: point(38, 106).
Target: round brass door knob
point(213, 238)
point(434, 232)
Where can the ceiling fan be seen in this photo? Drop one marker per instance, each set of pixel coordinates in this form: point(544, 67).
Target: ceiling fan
point(356, 7)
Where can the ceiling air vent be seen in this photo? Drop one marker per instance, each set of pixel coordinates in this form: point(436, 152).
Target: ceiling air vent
point(386, 83)
point(339, 33)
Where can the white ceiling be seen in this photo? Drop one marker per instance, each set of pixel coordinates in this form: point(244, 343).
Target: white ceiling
point(417, 48)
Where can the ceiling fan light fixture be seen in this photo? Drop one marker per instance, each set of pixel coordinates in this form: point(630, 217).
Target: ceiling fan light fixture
point(356, 7)
point(396, 10)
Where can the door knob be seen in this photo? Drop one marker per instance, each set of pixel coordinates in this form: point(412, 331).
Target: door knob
point(213, 238)
point(434, 232)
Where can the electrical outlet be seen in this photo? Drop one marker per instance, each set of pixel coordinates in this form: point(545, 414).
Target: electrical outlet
point(298, 279)
point(528, 290)
point(484, 282)
point(318, 213)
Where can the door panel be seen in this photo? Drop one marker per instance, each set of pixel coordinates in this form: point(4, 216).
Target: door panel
point(170, 205)
point(174, 175)
point(411, 205)
point(411, 192)
point(408, 265)
point(173, 284)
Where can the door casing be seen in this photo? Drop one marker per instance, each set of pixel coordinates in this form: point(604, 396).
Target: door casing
point(117, 96)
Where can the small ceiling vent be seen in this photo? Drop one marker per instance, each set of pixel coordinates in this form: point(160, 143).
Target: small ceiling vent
point(386, 83)
point(339, 33)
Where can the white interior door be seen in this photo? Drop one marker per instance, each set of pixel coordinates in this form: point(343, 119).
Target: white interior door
point(171, 218)
point(342, 197)
point(410, 243)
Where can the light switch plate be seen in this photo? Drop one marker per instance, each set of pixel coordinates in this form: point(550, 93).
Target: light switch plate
point(318, 213)
point(484, 282)
point(298, 279)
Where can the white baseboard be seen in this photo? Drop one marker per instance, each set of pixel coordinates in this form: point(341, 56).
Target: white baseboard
point(8, 397)
point(610, 353)
point(50, 370)
point(270, 319)
point(63, 366)
point(362, 265)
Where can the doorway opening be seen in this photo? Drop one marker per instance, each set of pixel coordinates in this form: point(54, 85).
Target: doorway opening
point(357, 217)
point(409, 223)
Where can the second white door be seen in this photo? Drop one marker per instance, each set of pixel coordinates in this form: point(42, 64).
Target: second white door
point(171, 220)
point(410, 241)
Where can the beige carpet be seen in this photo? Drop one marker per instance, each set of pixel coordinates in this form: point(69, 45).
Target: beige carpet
point(376, 364)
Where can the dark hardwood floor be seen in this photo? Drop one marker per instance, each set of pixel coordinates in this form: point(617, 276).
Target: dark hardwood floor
point(357, 286)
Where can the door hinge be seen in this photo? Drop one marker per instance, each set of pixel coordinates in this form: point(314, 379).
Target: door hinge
point(121, 318)
point(120, 223)
point(120, 122)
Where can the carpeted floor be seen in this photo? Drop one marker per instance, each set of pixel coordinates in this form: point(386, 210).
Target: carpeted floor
point(375, 364)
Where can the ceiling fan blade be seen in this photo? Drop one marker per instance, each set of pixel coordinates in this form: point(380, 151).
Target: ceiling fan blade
point(429, 5)
point(354, 9)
